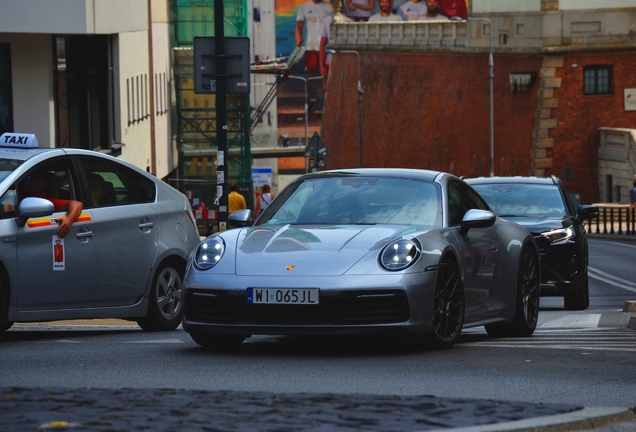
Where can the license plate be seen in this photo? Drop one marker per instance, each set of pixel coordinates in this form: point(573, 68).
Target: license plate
point(282, 296)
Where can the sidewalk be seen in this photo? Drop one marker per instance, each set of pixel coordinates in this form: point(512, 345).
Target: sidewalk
point(31, 409)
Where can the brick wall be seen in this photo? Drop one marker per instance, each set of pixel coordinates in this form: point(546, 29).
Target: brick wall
point(577, 137)
point(432, 111)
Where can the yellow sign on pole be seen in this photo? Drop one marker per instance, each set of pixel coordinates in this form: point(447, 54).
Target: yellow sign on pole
point(222, 226)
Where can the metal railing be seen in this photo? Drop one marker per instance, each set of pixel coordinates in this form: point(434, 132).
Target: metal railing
point(617, 219)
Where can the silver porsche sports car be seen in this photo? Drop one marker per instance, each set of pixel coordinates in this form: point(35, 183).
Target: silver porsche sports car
point(365, 251)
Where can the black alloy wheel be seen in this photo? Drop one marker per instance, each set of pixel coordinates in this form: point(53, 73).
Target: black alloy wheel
point(527, 302)
point(579, 299)
point(448, 307)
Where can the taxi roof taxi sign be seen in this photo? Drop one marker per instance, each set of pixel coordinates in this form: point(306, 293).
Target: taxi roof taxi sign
point(18, 140)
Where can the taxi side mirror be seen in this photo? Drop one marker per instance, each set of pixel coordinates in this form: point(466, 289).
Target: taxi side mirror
point(33, 207)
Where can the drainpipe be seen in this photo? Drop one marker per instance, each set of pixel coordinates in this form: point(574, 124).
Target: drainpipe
point(151, 94)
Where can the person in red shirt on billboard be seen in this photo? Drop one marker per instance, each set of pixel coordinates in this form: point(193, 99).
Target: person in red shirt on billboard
point(454, 8)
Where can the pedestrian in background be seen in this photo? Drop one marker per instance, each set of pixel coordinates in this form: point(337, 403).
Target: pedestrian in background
point(632, 194)
point(235, 201)
point(264, 199)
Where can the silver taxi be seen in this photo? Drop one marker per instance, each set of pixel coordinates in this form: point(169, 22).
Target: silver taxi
point(123, 257)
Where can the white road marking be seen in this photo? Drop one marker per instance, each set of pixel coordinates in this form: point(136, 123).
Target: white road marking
point(157, 341)
point(611, 279)
point(586, 341)
point(573, 321)
point(618, 243)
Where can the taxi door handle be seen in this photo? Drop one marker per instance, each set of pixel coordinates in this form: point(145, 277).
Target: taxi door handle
point(146, 224)
point(84, 234)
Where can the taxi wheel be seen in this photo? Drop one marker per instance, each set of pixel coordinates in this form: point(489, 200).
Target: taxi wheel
point(165, 306)
point(4, 310)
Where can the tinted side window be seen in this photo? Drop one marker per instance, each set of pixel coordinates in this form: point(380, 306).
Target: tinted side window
point(462, 198)
point(113, 184)
point(51, 180)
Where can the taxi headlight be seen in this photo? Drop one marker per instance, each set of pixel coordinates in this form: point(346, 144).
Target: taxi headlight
point(399, 254)
point(209, 252)
point(558, 235)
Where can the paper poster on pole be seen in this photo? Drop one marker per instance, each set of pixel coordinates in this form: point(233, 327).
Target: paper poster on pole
point(219, 194)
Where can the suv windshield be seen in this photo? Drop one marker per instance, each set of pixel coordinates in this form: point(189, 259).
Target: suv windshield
point(523, 200)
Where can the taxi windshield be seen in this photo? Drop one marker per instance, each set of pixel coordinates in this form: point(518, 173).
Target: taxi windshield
point(7, 166)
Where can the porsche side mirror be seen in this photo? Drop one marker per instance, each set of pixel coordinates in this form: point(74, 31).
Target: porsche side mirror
point(477, 219)
point(240, 218)
point(33, 207)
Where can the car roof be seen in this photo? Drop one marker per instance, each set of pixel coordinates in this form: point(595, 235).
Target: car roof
point(383, 172)
point(513, 179)
point(22, 154)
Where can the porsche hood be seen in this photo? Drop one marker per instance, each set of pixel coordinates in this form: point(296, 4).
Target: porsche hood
point(309, 250)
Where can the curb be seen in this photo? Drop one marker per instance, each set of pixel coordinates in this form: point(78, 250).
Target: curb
point(584, 419)
point(629, 308)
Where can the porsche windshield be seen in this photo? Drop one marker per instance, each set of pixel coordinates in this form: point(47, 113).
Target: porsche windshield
point(359, 200)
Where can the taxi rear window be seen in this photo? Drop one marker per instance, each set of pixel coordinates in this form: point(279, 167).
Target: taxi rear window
point(7, 166)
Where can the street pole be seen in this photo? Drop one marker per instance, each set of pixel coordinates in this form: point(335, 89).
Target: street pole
point(306, 111)
point(360, 92)
point(491, 78)
point(221, 114)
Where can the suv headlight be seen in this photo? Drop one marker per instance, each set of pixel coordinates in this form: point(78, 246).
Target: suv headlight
point(559, 235)
point(209, 252)
point(399, 254)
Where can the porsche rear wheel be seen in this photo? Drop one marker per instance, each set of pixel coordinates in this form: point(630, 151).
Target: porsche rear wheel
point(527, 303)
point(216, 341)
point(448, 307)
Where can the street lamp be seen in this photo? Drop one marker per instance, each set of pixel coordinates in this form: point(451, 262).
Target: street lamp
point(331, 51)
point(306, 110)
point(306, 107)
point(491, 74)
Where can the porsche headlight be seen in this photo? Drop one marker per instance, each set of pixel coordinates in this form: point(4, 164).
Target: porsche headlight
point(558, 235)
point(209, 253)
point(399, 254)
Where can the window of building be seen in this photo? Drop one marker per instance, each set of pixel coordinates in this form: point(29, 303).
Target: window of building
point(6, 96)
point(597, 80)
point(84, 92)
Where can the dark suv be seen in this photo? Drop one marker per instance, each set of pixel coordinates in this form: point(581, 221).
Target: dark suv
point(543, 207)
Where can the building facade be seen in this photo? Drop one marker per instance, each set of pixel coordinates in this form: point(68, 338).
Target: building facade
point(562, 71)
point(92, 74)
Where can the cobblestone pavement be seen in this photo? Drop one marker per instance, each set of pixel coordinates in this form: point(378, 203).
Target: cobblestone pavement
point(31, 409)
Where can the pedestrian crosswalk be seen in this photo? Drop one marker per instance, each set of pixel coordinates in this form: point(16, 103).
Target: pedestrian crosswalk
point(580, 339)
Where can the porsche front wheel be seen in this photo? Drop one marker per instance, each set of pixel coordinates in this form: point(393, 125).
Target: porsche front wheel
point(448, 307)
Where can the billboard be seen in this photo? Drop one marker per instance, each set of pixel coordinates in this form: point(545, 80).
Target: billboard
point(305, 23)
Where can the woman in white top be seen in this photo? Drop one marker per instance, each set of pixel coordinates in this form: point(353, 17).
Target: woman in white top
point(264, 199)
